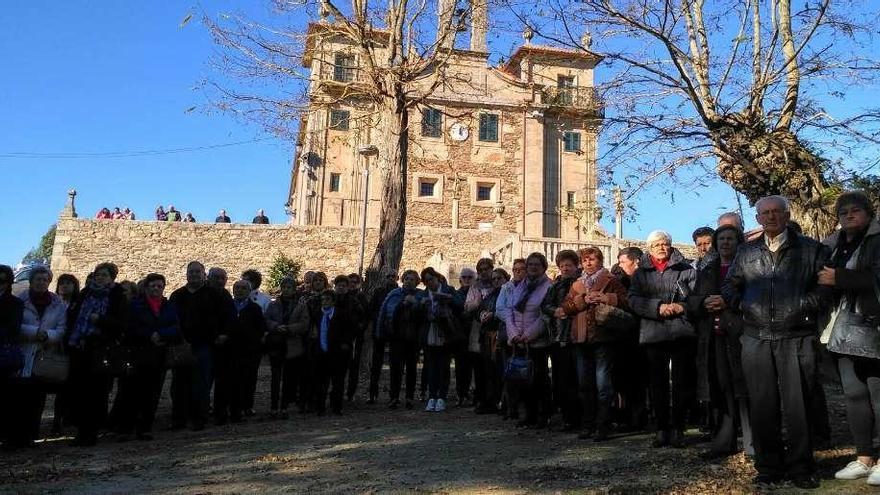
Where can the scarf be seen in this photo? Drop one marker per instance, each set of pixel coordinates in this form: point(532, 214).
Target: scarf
point(531, 286)
point(96, 302)
point(40, 300)
point(590, 280)
point(154, 303)
point(325, 327)
point(659, 265)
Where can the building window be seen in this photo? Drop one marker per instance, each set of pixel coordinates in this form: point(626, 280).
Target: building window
point(569, 202)
point(427, 187)
point(432, 122)
point(572, 141)
point(339, 119)
point(334, 181)
point(565, 85)
point(343, 68)
point(484, 192)
point(489, 127)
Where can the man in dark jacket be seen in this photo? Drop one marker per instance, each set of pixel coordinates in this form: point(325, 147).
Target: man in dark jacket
point(204, 320)
point(261, 218)
point(333, 352)
point(773, 282)
point(379, 342)
point(11, 315)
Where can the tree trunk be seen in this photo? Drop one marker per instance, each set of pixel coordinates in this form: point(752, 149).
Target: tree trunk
point(757, 163)
point(393, 159)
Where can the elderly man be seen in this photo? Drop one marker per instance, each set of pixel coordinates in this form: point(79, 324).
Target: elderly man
point(773, 281)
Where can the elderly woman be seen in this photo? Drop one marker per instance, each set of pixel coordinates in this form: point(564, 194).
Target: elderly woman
point(42, 328)
point(852, 335)
point(658, 294)
point(481, 289)
point(94, 324)
point(399, 322)
point(441, 307)
point(594, 344)
point(719, 368)
point(287, 321)
point(152, 326)
point(526, 329)
point(561, 353)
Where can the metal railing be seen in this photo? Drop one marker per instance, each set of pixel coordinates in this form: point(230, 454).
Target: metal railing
point(575, 97)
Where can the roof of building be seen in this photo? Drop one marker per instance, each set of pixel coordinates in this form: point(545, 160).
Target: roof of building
point(317, 29)
point(545, 51)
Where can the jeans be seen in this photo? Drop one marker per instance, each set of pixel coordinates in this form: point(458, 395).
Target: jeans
point(404, 354)
point(681, 355)
point(437, 364)
point(595, 369)
point(860, 378)
point(780, 377)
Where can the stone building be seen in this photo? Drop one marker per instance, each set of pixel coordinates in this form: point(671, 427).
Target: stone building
point(509, 146)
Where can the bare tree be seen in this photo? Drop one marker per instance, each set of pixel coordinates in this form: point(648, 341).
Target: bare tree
point(403, 49)
point(737, 88)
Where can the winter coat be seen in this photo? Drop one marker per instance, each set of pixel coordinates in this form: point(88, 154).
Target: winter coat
point(204, 314)
point(53, 322)
point(583, 317)
point(503, 308)
point(778, 295)
point(111, 324)
point(860, 286)
point(729, 328)
point(339, 333)
point(397, 318)
point(649, 288)
point(560, 329)
point(247, 330)
point(143, 323)
point(296, 317)
point(529, 323)
point(448, 316)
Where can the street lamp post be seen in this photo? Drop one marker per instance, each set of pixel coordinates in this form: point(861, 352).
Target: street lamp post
point(366, 152)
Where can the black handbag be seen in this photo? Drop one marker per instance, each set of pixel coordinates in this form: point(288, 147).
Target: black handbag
point(520, 370)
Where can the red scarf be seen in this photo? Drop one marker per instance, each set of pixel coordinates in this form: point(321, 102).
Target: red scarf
point(659, 265)
point(155, 304)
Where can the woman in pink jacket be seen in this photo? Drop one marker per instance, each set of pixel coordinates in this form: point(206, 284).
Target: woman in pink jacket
point(526, 329)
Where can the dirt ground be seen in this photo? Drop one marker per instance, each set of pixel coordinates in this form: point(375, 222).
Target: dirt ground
point(371, 449)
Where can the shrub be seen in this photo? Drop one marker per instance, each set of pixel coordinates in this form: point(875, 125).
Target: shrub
point(282, 266)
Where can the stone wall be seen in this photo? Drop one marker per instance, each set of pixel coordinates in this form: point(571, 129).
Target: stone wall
point(140, 247)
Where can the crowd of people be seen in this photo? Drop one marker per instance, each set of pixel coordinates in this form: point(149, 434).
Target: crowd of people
point(729, 342)
point(172, 214)
point(116, 214)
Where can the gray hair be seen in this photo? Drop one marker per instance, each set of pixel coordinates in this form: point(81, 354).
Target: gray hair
point(216, 270)
point(738, 222)
point(468, 271)
point(782, 200)
point(657, 235)
point(39, 270)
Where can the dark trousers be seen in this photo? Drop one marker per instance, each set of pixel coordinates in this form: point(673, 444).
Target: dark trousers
point(681, 354)
point(780, 377)
point(228, 385)
point(191, 388)
point(502, 354)
point(595, 369)
point(378, 358)
point(722, 378)
point(860, 378)
point(285, 385)
point(565, 390)
point(537, 394)
point(331, 368)
point(437, 365)
point(250, 369)
point(631, 381)
point(463, 369)
point(27, 398)
point(404, 354)
point(354, 367)
point(89, 393)
point(479, 364)
point(138, 398)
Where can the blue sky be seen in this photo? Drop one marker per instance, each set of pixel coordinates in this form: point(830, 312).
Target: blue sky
point(79, 79)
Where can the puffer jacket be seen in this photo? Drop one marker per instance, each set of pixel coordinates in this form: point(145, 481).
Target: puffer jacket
point(650, 288)
point(778, 296)
point(398, 318)
point(529, 324)
point(53, 322)
point(859, 285)
point(560, 329)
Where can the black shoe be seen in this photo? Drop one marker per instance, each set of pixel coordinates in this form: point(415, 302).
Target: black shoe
point(249, 413)
point(601, 435)
point(526, 423)
point(123, 437)
point(805, 482)
point(661, 439)
point(764, 479)
point(371, 401)
point(336, 412)
point(177, 425)
point(587, 433)
point(144, 437)
point(408, 404)
point(714, 454)
point(84, 441)
point(198, 426)
point(217, 422)
point(676, 440)
point(284, 414)
point(236, 419)
point(394, 404)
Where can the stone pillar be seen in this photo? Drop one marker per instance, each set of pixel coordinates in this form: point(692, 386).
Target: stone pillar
point(69, 210)
point(445, 13)
point(479, 25)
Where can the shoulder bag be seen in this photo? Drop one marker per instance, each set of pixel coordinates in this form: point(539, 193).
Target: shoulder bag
point(51, 367)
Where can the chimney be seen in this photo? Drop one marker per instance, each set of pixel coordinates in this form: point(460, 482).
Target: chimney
point(445, 11)
point(479, 25)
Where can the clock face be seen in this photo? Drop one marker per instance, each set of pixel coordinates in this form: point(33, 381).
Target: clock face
point(458, 131)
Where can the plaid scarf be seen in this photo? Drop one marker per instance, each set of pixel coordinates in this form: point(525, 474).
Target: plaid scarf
point(96, 302)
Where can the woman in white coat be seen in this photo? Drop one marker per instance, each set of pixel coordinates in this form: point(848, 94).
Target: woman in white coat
point(42, 328)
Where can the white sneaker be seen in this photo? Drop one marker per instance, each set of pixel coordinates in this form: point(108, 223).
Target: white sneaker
point(431, 407)
point(874, 477)
point(440, 406)
point(855, 470)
